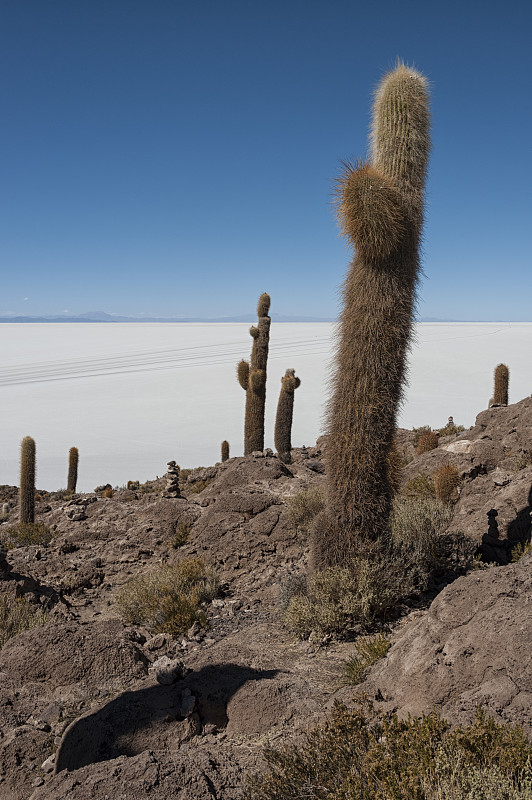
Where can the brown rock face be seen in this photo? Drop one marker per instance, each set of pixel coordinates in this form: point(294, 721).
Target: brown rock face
point(471, 648)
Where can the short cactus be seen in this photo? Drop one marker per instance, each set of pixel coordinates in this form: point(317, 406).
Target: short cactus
point(446, 480)
point(73, 458)
point(285, 412)
point(252, 378)
point(500, 391)
point(225, 450)
point(4, 511)
point(27, 481)
point(427, 442)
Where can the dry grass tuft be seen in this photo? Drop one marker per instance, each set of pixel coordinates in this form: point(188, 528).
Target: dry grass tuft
point(168, 599)
point(16, 615)
point(25, 534)
point(304, 506)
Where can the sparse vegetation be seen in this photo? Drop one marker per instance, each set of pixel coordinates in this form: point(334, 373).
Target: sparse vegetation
point(25, 534)
point(522, 461)
point(334, 601)
point(304, 506)
point(198, 486)
point(369, 650)
point(451, 429)
point(168, 599)
point(419, 486)
point(16, 615)
point(108, 491)
point(180, 536)
point(355, 756)
point(520, 550)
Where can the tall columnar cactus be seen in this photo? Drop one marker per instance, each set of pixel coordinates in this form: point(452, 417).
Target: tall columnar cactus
point(380, 207)
point(73, 458)
point(27, 481)
point(252, 378)
point(500, 390)
point(285, 412)
point(225, 450)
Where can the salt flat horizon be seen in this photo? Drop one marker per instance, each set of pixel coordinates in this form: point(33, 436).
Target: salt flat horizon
point(132, 396)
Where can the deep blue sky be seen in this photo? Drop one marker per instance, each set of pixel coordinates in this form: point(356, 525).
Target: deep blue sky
point(174, 158)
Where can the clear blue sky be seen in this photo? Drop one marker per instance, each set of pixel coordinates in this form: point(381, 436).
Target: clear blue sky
point(173, 158)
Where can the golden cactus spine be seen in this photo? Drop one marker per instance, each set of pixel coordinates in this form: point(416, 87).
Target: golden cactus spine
point(446, 481)
point(284, 416)
point(225, 450)
point(500, 389)
point(380, 207)
point(27, 481)
point(73, 459)
point(252, 378)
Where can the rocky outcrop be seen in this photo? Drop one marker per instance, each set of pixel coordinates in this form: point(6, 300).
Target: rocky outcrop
point(471, 648)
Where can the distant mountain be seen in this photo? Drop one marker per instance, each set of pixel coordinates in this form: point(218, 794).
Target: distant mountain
point(102, 316)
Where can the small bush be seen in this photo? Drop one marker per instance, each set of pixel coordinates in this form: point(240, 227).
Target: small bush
point(183, 475)
point(133, 485)
point(420, 486)
point(181, 534)
point(26, 533)
point(353, 756)
point(304, 506)
point(198, 486)
point(520, 550)
point(338, 598)
point(108, 492)
point(522, 461)
point(369, 651)
point(446, 481)
point(384, 573)
point(450, 429)
point(16, 615)
point(427, 442)
point(168, 600)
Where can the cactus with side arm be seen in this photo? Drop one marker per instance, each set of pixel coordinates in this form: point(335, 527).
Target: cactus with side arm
point(285, 413)
point(252, 378)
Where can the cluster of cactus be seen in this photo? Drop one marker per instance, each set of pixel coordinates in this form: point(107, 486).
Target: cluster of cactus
point(285, 412)
point(380, 207)
point(427, 441)
point(252, 378)
point(446, 480)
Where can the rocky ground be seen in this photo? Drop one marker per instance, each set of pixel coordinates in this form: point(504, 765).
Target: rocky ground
point(93, 708)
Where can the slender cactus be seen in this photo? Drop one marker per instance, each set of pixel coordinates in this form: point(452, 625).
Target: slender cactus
point(380, 207)
point(73, 458)
point(225, 450)
point(27, 481)
point(500, 390)
point(252, 378)
point(285, 413)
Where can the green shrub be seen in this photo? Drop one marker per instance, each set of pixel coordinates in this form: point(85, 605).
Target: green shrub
point(168, 599)
point(16, 615)
point(304, 506)
point(181, 534)
point(333, 601)
point(355, 756)
point(450, 429)
point(419, 486)
point(198, 486)
point(336, 599)
point(25, 534)
point(369, 651)
point(520, 550)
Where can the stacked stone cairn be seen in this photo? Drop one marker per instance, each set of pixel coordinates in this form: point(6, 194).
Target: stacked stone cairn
point(172, 480)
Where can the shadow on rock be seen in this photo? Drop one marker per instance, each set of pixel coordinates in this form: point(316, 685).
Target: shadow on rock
point(155, 717)
point(519, 529)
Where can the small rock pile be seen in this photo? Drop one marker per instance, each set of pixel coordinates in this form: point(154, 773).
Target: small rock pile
point(172, 480)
